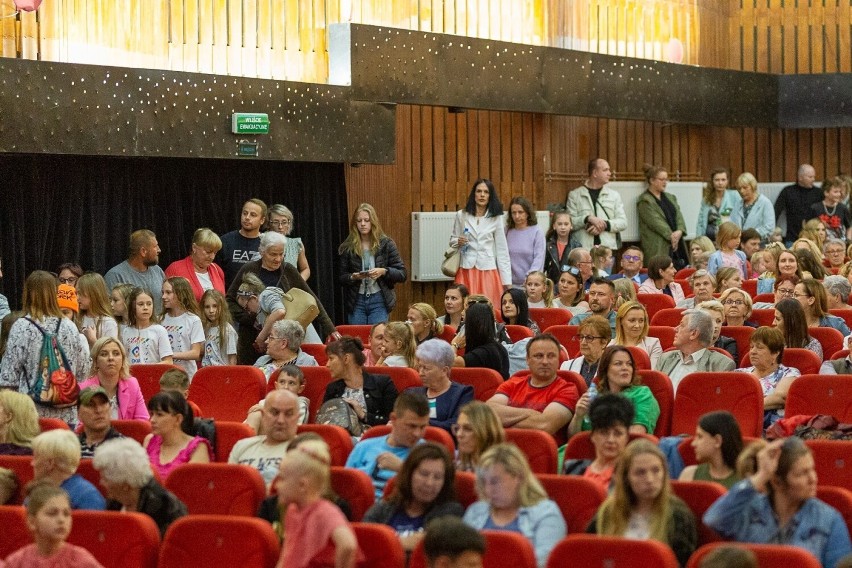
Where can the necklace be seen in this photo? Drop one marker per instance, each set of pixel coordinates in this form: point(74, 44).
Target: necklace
point(827, 212)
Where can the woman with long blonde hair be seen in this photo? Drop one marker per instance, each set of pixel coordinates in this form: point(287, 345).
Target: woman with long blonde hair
point(642, 506)
point(476, 430)
point(95, 316)
point(631, 329)
point(370, 267)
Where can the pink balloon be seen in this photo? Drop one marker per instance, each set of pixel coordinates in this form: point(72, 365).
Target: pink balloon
point(27, 5)
point(673, 52)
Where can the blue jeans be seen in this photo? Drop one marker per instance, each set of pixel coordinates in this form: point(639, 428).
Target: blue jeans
point(369, 310)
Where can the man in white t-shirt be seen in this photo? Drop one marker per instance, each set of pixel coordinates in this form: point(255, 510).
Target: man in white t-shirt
point(280, 420)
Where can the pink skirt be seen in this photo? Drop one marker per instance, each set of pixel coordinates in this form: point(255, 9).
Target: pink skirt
point(485, 282)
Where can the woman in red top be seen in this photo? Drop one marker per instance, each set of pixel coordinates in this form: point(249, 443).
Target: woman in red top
point(199, 268)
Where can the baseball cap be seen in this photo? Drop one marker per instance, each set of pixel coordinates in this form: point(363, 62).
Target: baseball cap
point(88, 393)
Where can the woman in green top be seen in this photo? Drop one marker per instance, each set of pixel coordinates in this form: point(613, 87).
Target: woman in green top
point(617, 374)
point(717, 443)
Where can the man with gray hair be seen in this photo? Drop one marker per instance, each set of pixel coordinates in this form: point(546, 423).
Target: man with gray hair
point(435, 359)
point(835, 252)
point(837, 290)
point(693, 336)
point(582, 259)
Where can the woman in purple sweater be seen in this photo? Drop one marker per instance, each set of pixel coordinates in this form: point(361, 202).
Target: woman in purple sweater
point(526, 242)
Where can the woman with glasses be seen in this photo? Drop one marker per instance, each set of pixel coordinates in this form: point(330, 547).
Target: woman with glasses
point(661, 276)
point(571, 293)
point(778, 505)
point(631, 329)
point(790, 321)
point(478, 232)
point(281, 221)
point(737, 307)
point(369, 268)
point(661, 224)
point(477, 429)
point(434, 361)
point(702, 283)
point(69, 273)
point(811, 294)
point(785, 287)
point(198, 267)
point(593, 334)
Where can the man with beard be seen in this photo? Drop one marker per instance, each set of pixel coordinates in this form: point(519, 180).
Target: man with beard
point(242, 246)
point(141, 268)
point(601, 299)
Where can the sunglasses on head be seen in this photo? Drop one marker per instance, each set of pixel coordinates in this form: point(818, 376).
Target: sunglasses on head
point(573, 270)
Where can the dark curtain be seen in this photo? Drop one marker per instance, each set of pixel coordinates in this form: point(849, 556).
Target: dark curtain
point(58, 208)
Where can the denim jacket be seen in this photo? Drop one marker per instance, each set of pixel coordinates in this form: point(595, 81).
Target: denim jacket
point(542, 524)
point(746, 515)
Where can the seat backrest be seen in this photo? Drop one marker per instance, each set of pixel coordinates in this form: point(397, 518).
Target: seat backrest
point(844, 313)
point(518, 332)
point(548, 317)
point(148, 375)
point(668, 317)
point(317, 380)
point(567, 336)
point(580, 445)
point(578, 498)
point(610, 551)
point(820, 394)
point(765, 297)
point(685, 272)
point(499, 551)
point(216, 541)
point(317, 351)
point(380, 545)
point(805, 360)
point(218, 488)
point(362, 332)
point(402, 377)
point(750, 287)
point(640, 357)
point(830, 339)
point(661, 387)
point(539, 447)
point(838, 497)
point(655, 302)
point(699, 495)
point(448, 333)
point(228, 434)
point(46, 424)
point(339, 440)
point(762, 316)
point(87, 471)
point(685, 286)
point(16, 534)
point(117, 538)
point(226, 392)
point(355, 487)
point(136, 429)
point(842, 354)
point(742, 335)
point(665, 334)
point(466, 488)
point(699, 393)
point(433, 434)
point(23, 470)
point(768, 555)
point(484, 381)
point(833, 461)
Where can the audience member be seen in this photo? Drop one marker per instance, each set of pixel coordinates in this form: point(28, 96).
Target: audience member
point(717, 312)
point(581, 259)
point(56, 456)
point(140, 268)
point(728, 277)
point(198, 267)
point(284, 347)
point(515, 310)
point(264, 452)
point(570, 292)
point(766, 353)
point(93, 410)
point(631, 329)
point(717, 443)
point(181, 319)
point(811, 294)
point(145, 341)
point(18, 423)
point(423, 490)
point(785, 287)
point(661, 224)
point(450, 543)
point(631, 265)
point(446, 398)
point(176, 380)
point(602, 260)
point(810, 263)
point(625, 291)
point(831, 211)
point(481, 348)
point(112, 374)
point(95, 316)
point(750, 242)
point(642, 504)
point(373, 352)
point(220, 337)
point(835, 253)
point(700, 246)
point(601, 299)
point(593, 338)
point(738, 307)
point(617, 374)
point(597, 212)
point(424, 322)
point(728, 241)
point(130, 484)
point(241, 246)
point(778, 505)
point(790, 321)
point(477, 429)
point(66, 299)
point(837, 291)
point(717, 204)
point(661, 279)
point(755, 210)
point(693, 335)
point(454, 306)
point(281, 221)
point(512, 499)
point(399, 346)
point(290, 378)
point(381, 457)
point(703, 284)
point(171, 443)
point(729, 556)
point(525, 242)
point(784, 263)
point(558, 245)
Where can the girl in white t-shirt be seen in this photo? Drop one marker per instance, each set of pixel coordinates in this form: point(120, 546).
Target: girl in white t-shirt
point(95, 315)
point(180, 318)
point(144, 339)
point(219, 348)
point(539, 289)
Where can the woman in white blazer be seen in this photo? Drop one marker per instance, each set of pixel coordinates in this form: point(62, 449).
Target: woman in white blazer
point(484, 266)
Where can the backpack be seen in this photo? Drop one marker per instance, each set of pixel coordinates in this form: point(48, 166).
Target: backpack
point(55, 384)
point(339, 413)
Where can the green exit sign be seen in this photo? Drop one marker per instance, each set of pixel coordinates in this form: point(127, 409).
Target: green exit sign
point(250, 123)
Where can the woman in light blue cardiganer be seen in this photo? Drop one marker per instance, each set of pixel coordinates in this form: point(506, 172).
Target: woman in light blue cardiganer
point(717, 204)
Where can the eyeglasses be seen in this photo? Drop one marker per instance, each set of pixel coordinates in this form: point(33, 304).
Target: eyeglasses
point(456, 428)
point(785, 292)
point(71, 280)
point(630, 257)
point(244, 294)
point(283, 223)
point(584, 262)
point(587, 338)
point(801, 295)
point(270, 338)
point(733, 302)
